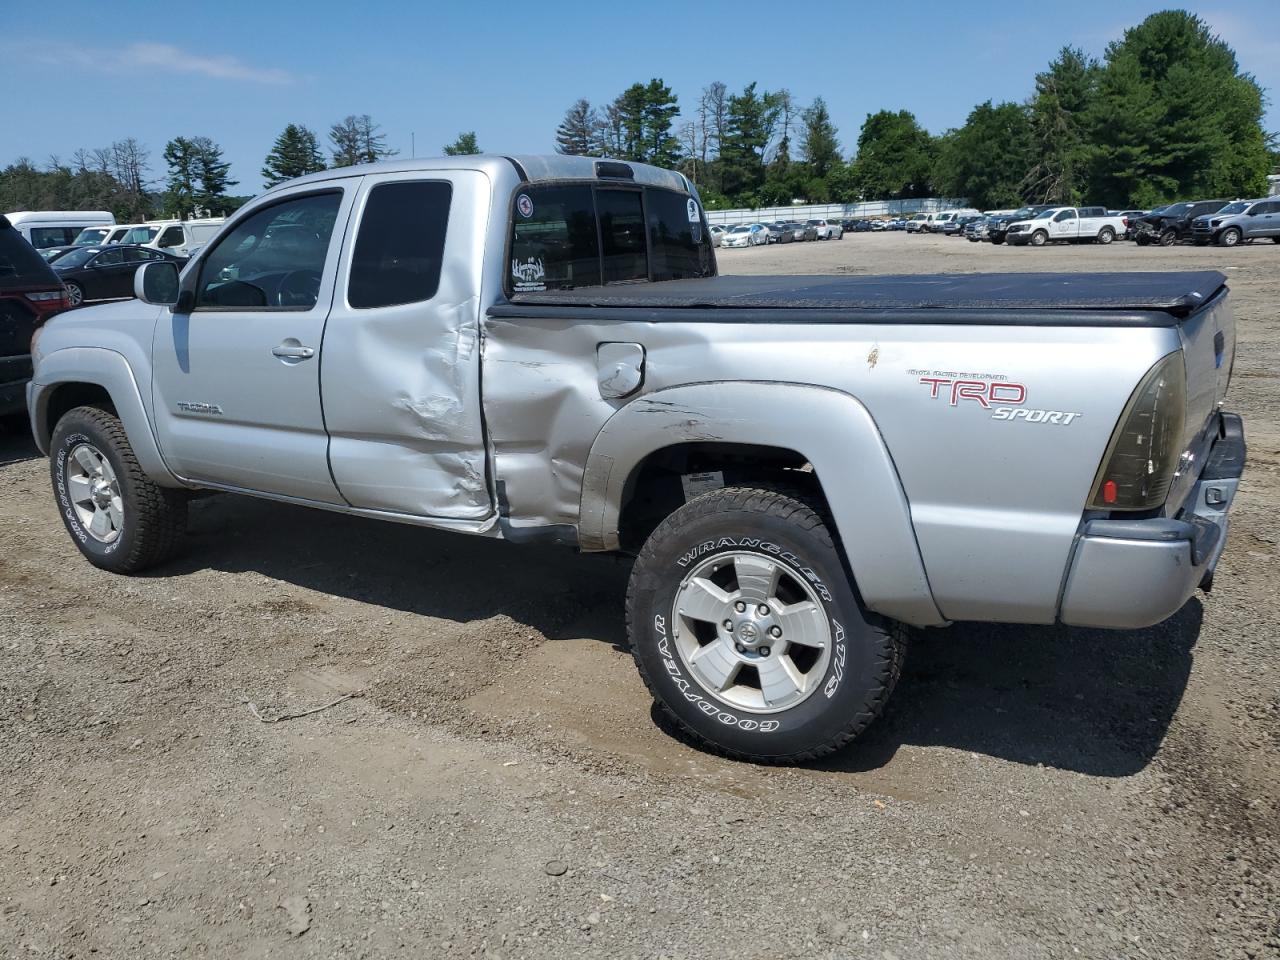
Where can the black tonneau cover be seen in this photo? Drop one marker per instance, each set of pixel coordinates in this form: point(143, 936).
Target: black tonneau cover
point(1122, 299)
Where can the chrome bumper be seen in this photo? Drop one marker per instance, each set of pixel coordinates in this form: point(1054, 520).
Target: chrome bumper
point(1126, 574)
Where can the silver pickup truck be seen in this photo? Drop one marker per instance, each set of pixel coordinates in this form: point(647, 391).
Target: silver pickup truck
point(539, 349)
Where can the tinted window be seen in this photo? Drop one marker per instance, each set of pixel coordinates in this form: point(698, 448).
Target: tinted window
point(1272, 207)
point(20, 265)
point(554, 241)
point(42, 237)
point(622, 235)
point(677, 237)
point(109, 258)
point(172, 237)
point(273, 259)
point(400, 246)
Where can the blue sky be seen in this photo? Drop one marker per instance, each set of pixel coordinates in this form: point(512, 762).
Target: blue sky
point(239, 71)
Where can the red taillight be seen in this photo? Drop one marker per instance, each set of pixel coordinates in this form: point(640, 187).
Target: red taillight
point(1109, 492)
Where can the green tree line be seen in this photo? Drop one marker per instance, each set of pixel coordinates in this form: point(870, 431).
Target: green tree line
point(1166, 114)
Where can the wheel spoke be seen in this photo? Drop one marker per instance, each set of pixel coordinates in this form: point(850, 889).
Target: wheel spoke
point(803, 623)
point(80, 489)
point(100, 525)
point(703, 600)
point(757, 577)
point(115, 512)
point(88, 463)
point(779, 679)
point(715, 665)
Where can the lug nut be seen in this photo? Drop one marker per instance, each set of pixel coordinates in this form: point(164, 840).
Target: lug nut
point(775, 632)
point(764, 651)
point(762, 610)
point(740, 606)
point(728, 625)
point(740, 648)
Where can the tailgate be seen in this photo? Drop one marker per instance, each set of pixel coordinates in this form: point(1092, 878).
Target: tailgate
point(1208, 352)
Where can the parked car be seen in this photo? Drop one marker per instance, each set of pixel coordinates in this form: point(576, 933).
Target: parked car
point(103, 273)
point(849, 226)
point(717, 234)
point(182, 238)
point(1128, 216)
point(56, 228)
point(956, 225)
point(975, 229)
point(803, 231)
point(93, 236)
point(878, 225)
point(1169, 225)
point(746, 235)
point(1240, 221)
point(790, 507)
point(998, 225)
point(780, 233)
point(1066, 224)
point(898, 224)
point(917, 223)
point(827, 229)
point(51, 254)
point(30, 293)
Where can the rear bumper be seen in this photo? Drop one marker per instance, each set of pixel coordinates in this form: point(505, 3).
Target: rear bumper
point(15, 372)
point(1127, 574)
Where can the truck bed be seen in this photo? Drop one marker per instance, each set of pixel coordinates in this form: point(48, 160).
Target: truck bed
point(1056, 299)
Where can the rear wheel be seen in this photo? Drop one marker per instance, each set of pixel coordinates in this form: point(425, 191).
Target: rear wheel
point(1229, 237)
point(117, 516)
point(75, 293)
point(748, 633)
point(1106, 235)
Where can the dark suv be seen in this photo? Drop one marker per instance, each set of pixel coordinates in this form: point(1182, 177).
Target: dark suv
point(30, 293)
point(1168, 225)
point(998, 226)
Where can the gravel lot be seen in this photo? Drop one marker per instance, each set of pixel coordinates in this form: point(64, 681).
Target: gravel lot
point(500, 788)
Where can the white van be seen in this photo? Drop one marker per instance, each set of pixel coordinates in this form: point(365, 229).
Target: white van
point(57, 228)
point(182, 238)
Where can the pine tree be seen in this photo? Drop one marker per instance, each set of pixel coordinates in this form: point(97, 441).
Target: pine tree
point(181, 156)
point(1059, 113)
point(294, 154)
point(818, 139)
point(578, 133)
point(465, 145)
point(213, 176)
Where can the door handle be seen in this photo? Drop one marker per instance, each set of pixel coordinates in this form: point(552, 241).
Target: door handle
point(292, 350)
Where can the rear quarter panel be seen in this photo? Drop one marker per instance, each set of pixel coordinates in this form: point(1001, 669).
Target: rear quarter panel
point(995, 499)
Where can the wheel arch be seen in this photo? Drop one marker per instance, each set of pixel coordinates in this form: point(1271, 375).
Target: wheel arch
point(790, 426)
point(95, 376)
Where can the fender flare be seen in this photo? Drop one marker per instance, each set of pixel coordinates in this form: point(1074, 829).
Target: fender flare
point(111, 371)
point(829, 428)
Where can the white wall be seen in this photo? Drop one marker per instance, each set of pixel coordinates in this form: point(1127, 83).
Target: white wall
point(834, 211)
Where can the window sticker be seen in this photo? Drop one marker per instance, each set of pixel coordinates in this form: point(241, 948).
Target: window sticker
point(693, 211)
point(525, 205)
point(529, 276)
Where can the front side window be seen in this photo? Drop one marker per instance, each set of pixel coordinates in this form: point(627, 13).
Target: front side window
point(400, 247)
point(273, 259)
point(172, 237)
point(1065, 215)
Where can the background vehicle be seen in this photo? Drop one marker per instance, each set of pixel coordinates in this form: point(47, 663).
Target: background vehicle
point(998, 224)
point(1128, 216)
point(827, 229)
point(183, 237)
point(56, 228)
point(782, 496)
point(1169, 225)
point(917, 223)
point(30, 293)
point(803, 231)
point(103, 273)
point(746, 235)
point(780, 233)
point(717, 234)
point(956, 225)
point(1239, 221)
point(975, 229)
point(92, 236)
point(51, 254)
point(1066, 224)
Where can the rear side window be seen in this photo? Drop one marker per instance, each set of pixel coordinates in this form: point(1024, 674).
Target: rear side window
point(20, 265)
point(676, 237)
point(554, 244)
point(400, 247)
point(172, 237)
point(42, 237)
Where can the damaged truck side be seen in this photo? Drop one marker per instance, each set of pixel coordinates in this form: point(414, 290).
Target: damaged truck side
point(539, 349)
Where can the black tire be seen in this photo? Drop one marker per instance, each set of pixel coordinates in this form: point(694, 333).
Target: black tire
point(1142, 240)
point(1168, 237)
point(997, 240)
point(75, 293)
point(1039, 238)
point(1230, 237)
point(867, 651)
point(155, 517)
point(1106, 235)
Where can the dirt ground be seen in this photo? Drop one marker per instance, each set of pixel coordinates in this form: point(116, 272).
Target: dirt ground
point(499, 787)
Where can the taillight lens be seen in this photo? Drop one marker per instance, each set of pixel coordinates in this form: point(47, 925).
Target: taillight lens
point(1143, 454)
point(45, 296)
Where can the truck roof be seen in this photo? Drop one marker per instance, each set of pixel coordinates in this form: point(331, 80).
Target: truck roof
point(533, 168)
point(1131, 299)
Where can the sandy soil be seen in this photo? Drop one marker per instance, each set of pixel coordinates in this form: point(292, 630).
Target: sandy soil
point(500, 787)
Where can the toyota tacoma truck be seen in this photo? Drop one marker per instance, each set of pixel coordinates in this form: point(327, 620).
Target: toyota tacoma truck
point(1070, 224)
point(539, 349)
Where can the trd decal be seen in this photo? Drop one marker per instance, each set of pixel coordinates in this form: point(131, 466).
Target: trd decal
point(1004, 398)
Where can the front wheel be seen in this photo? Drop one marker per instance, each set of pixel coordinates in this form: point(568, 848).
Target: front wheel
point(1106, 235)
point(1039, 238)
point(117, 516)
point(1168, 238)
point(75, 294)
point(1229, 237)
point(748, 633)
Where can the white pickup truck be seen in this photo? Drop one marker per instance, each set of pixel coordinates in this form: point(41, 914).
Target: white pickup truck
point(1071, 224)
point(539, 349)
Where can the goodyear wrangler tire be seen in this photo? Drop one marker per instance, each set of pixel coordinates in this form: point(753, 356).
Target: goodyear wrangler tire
point(748, 632)
point(119, 519)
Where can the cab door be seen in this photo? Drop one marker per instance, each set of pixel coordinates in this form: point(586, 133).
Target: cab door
point(1066, 225)
point(400, 368)
point(236, 371)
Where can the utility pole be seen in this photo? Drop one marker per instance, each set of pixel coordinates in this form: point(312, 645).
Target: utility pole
point(413, 144)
